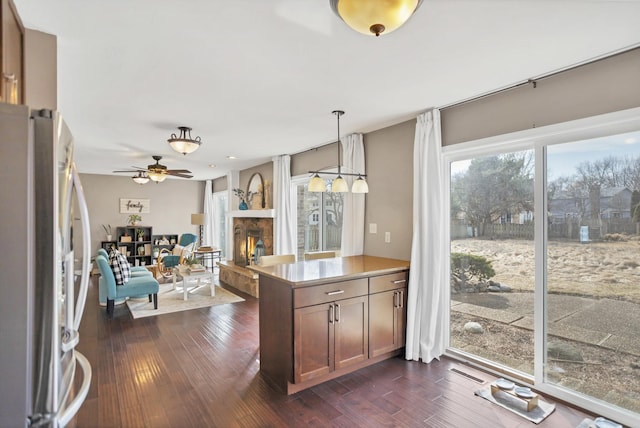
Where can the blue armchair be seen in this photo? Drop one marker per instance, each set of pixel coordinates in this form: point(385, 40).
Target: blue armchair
point(136, 286)
point(185, 247)
point(135, 270)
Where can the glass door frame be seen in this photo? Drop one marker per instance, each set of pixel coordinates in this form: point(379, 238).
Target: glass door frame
point(538, 139)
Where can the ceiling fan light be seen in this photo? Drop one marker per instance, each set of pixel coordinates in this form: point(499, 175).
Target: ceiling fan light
point(141, 178)
point(183, 143)
point(339, 185)
point(360, 185)
point(374, 17)
point(317, 184)
point(157, 177)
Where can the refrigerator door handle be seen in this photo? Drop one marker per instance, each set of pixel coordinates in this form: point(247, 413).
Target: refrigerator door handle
point(86, 248)
point(70, 411)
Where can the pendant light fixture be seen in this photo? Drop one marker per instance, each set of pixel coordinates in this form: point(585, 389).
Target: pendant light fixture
point(317, 184)
point(374, 17)
point(141, 177)
point(183, 143)
point(360, 185)
point(339, 184)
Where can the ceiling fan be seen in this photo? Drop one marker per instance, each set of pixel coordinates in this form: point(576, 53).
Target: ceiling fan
point(156, 172)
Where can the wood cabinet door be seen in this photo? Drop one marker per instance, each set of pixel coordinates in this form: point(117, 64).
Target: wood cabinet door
point(388, 318)
point(352, 331)
point(313, 341)
point(382, 323)
point(401, 319)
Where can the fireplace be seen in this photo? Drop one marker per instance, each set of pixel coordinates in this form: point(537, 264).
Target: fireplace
point(246, 234)
point(249, 226)
point(244, 245)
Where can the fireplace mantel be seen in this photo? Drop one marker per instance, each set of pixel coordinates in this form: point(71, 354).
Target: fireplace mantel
point(252, 214)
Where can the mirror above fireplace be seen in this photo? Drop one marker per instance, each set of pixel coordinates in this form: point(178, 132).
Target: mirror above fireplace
point(255, 192)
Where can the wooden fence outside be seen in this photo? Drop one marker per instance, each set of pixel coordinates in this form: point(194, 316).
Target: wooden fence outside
point(566, 230)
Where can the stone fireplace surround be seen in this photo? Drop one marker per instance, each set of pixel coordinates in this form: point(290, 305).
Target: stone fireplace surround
point(246, 233)
point(252, 223)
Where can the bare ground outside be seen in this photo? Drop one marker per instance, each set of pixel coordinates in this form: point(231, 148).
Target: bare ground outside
point(594, 309)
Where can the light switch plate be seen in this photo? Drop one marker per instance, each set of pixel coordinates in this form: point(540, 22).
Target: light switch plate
point(373, 228)
point(387, 237)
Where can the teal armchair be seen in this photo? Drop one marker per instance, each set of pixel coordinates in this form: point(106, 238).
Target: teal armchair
point(135, 270)
point(136, 286)
point(186, 246)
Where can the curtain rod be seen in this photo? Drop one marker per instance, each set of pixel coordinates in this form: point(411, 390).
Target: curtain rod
point(534, 80)
point(313, 148)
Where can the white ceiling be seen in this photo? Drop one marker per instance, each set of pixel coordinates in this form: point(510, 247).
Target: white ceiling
point(258, 78)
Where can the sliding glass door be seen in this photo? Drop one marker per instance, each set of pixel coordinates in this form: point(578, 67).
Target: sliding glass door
point(593, 268)
point(492, 258)
point(545, 259)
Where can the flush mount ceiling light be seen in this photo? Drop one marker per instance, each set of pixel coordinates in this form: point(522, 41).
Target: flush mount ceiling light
point(373, 17)
point(183, 143)
point(339, 184)
point(141, 177)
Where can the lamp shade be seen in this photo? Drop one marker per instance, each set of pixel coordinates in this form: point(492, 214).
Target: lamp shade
point(184, 146)
point(374, 17)
point(157, 177)
point(339, 185)
point(141, 178)
point(360, 186)
point(197, 219)
point(317, 184)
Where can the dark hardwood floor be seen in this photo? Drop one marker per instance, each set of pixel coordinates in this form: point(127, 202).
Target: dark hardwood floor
point(200, 368)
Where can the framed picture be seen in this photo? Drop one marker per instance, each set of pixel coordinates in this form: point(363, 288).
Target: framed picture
point(134, 206)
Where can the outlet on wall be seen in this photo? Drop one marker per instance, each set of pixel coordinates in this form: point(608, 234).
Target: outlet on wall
point(387, 237)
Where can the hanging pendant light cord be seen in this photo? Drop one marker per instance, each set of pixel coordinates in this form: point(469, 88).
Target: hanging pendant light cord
point(338, 113)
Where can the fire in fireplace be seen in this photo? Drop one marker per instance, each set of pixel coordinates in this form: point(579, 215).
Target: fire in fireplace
point(244, 245)
point(246, 234)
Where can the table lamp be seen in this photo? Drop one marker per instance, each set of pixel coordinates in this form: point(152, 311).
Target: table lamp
point(198, 220)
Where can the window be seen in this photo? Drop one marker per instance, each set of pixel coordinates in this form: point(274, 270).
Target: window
point(220, 221)
point(551, 301)
point(319, 219)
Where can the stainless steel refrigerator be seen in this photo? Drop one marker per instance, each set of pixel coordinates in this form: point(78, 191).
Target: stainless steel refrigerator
point(44, 277)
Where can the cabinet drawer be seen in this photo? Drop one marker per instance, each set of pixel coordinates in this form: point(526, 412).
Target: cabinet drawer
point(393, 281)
point(325, 293)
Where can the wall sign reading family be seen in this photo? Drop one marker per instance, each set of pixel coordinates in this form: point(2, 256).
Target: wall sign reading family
point(130, 206)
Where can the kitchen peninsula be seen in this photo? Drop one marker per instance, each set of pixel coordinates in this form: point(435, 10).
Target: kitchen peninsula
point(321, 319)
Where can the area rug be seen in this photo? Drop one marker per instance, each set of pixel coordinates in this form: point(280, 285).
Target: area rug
point(170, 300)
point(502, 399)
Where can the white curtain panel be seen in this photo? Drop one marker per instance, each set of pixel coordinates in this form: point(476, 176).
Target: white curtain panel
point(353, 209)
point(207, 228)
point(284, 225)
point(427, 281)
point(215, 221)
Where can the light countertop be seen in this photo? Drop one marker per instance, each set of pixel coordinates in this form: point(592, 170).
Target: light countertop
point(313, 272)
